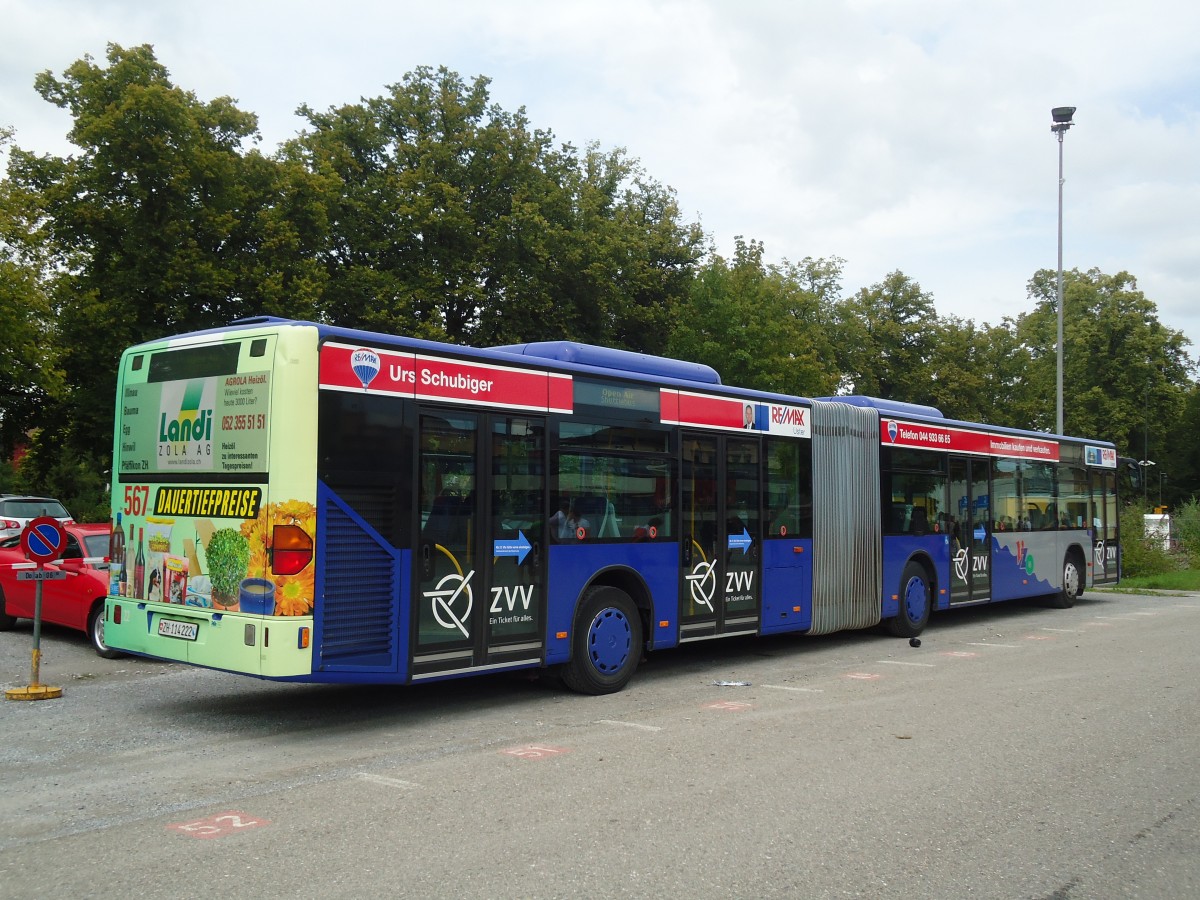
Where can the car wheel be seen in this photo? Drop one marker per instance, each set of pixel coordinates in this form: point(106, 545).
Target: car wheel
point(916, 603)
point(96, 632)
point(6, 621)
point(606, 643)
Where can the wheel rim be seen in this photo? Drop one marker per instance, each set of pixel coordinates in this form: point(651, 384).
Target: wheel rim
point(916, 599)
point(1071, 580)
point(98, 631)
point(610, 639)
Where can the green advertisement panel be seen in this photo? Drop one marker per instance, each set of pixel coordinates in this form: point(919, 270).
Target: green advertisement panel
point(213, 424)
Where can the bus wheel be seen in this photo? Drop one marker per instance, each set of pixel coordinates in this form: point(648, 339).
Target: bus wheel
point(606, 643)
point(96, 633)
point(916, 603)
point(1072, 584)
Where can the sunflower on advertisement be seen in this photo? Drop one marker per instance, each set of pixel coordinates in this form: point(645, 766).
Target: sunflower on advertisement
point(293, 593)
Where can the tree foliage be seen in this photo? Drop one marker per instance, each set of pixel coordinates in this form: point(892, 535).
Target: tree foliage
point(1125, 375)
point(761, 326)
point(886, 338)
point(450, 218)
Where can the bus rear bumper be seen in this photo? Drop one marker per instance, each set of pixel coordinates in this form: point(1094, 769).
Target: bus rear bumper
point(232, 642)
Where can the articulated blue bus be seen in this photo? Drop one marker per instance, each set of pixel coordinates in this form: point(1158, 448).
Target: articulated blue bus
point(314, 503)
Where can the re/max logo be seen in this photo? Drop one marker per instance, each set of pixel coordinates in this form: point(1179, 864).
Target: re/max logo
point(787, 415)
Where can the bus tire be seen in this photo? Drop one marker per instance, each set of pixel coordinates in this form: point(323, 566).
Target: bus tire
point(6, 621)
point(96, 632)
point(606, 643)
point(916, 603)
point(1072, 583)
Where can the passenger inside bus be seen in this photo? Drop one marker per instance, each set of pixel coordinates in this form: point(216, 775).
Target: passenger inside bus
point(565, 524)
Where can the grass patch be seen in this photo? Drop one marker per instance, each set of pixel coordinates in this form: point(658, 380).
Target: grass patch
point(1177, 580)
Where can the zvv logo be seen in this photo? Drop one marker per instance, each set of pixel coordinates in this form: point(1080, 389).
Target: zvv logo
point(703, 584)
point(520, 593)
point(453, 591)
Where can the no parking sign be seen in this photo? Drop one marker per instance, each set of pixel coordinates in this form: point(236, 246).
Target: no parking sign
point(43, 540)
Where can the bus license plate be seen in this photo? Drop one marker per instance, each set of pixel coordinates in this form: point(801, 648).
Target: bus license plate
point(185, 631)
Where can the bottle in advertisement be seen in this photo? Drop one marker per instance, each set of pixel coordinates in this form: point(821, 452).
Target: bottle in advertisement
point(116, 556)
point(123, 576)
point(139, 570)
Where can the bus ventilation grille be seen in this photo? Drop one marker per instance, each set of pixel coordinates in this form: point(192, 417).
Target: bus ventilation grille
point(358, 621)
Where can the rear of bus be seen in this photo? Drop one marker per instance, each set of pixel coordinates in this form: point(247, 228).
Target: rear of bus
point(214, 493)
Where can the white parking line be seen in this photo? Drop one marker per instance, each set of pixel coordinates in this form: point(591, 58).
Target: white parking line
point(896, 662)
point(628, 724)
point(798, 690)
point(986, 644)
point(383, 779)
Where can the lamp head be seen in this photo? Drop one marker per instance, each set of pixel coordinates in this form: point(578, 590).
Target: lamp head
point(1062, 115)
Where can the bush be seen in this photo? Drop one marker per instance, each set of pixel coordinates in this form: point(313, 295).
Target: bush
point(1140, 557)
point(79, 484)
point(1185, 527)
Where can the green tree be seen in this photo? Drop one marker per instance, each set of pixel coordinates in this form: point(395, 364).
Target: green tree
point(1178, 474)
point(451, 218)
point(1125, 374)
point(886, 337)
point(160, 223)
point(979, 373)
point(29, 372)
point(629, 258)
point(762, 326)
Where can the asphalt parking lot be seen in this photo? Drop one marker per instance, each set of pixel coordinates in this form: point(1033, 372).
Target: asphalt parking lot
point(1019, 752)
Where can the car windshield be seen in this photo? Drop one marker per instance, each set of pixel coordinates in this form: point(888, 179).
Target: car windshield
point(31, 509)
point(96, 544)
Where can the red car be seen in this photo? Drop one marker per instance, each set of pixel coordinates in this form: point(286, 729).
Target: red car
point(76, 601)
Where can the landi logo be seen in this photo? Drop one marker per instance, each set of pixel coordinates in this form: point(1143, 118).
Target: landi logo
point(185, 424)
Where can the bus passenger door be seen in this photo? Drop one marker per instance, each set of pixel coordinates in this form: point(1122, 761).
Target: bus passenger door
point(721, 547)
point(480, 582)
point(971, 532)
point(516, 599)
point(1104, 526)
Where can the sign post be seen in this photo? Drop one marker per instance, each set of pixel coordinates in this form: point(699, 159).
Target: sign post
point(42, 540)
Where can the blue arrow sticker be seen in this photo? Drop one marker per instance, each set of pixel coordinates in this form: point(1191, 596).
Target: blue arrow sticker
point(519, 548)
point(741, 541)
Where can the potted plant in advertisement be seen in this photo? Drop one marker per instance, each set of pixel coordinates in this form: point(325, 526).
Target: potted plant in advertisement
point(228, 555)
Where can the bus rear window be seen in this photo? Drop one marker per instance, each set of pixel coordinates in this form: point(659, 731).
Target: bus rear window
point(194, 362)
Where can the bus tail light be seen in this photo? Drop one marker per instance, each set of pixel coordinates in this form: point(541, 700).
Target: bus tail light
point(302, 639)
point(116, 613)
point(291, 549)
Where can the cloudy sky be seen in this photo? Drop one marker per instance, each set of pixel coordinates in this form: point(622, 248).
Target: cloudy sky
point(895, 134)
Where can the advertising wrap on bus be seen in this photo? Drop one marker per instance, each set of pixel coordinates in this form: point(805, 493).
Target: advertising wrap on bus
point(196, 508)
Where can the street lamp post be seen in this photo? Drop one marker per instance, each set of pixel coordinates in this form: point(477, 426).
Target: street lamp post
point(1145, 464)
point(1062, 121)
